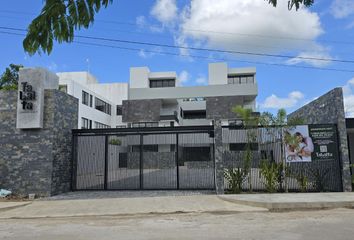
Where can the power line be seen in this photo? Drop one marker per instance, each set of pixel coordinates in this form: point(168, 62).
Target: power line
point(199, 49)
point(196, 56)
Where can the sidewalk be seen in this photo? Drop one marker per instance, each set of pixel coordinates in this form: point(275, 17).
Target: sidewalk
point(294, 201)
point(127, 207)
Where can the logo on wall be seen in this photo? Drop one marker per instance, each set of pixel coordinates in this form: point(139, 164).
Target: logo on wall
point(27, 96)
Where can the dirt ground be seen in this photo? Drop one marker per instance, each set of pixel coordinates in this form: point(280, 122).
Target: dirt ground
point(325, 224)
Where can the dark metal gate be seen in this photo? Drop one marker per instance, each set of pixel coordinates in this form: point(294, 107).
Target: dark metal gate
point(144, 158)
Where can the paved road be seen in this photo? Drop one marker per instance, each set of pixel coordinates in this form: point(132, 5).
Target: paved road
point(326, 224)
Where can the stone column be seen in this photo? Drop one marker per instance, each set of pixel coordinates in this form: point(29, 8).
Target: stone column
point(219, 165)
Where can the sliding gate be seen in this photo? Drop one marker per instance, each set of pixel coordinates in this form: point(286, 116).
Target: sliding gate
point(143, 158)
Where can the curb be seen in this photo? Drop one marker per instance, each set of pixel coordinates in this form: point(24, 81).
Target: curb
point(142, 214)
point(291, 206)
point(3, 209)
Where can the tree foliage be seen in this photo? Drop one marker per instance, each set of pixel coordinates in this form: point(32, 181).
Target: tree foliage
point(60, 18)
point(9, 79)
point(292, 3)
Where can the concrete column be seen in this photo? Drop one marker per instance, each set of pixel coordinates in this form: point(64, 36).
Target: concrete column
point(219, 165)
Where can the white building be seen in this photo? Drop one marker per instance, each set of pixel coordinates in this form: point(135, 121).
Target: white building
point(97, 101)
point(157, 99)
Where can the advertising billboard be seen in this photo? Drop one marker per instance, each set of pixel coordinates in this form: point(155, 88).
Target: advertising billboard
point(306, 143)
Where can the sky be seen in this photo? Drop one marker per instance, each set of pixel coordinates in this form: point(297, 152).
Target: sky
point(316, 45)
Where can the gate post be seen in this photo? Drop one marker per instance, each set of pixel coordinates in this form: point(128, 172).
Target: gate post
point(219, 165)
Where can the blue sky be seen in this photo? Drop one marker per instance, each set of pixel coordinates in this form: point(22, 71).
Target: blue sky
point(325, 31)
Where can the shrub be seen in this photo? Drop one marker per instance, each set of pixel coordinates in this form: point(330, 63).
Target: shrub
point(235, 178)
point(270, 172)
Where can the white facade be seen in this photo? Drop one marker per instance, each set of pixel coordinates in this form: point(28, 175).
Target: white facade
point(180, 105)
point(75, 83)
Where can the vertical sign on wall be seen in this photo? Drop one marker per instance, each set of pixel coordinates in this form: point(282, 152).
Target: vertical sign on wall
point(30, 100)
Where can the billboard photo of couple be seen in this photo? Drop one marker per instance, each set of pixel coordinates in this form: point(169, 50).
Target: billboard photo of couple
point(298, 144)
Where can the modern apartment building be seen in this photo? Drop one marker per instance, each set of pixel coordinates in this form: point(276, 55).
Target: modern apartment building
point(157, 98)
point(97, 101)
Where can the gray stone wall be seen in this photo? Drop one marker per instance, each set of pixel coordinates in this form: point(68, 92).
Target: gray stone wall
point(221, 107)
point(219, 164)
point(65, 119)
point(141, 110)
point(329, 109)
point(37, 160)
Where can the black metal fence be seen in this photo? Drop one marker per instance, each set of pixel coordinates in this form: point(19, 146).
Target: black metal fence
point(143, 158)
point(267, 147)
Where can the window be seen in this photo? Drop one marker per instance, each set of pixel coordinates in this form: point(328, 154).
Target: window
point(123, 160)
point(146, 148)
point(145, 124)
point(119, 110)
point(196, 114)
point(102, 106)
point(91, 100)
point(86, 123)
point(63, 88)
point(240, 79)
point(101, 125)
point(242, 147)
point(85, 98)
point(162, 83)
point(190, 154)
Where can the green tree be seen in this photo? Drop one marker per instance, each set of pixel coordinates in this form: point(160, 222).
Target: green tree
point(292, 3)
point(60, 18)
point(250, 122)
point(9, 79)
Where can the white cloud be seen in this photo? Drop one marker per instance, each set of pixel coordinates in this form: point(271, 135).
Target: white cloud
point(183, 77)
point(140, 21)
point(276, 102)
point(312, 57)
point(201, 80)
point(165, 11)
point(149, 53)
point(53, 67)
point(249, 25)
point(348, 94)
point(342, 8)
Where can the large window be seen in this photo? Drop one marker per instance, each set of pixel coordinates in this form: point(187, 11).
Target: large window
point(162, 83)
point(145, 124)
point(195, 114)
point(86, 123)
point(191, 154)
point(100, 125)
point(146, 148)
point(240, 79)
point(85, 98)
point(119, 110)
point(91, 100)
point(242, 146)
point(102, 106)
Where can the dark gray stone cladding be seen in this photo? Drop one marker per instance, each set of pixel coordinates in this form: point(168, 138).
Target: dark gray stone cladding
point(141, 110)
point(221, 107)
point(37, 161)
point(329, 109)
